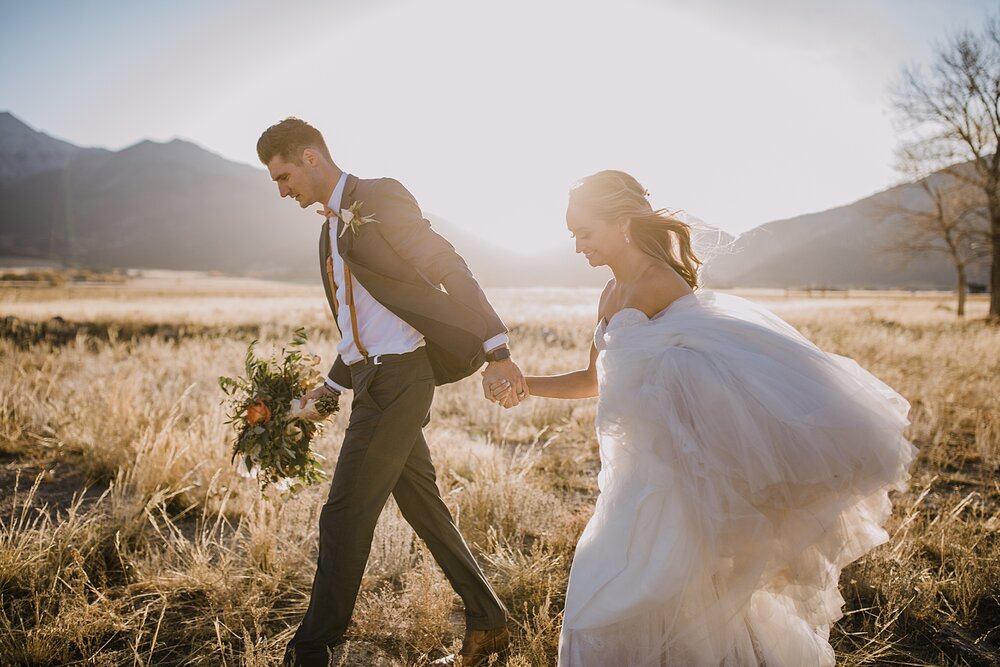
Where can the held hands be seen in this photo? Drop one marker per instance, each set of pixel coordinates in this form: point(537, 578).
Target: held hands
point(504, 383)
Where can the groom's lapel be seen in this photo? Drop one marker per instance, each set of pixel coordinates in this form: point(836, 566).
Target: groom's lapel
point(345, 241)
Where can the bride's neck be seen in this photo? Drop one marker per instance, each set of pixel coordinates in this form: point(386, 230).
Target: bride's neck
point(629, 265)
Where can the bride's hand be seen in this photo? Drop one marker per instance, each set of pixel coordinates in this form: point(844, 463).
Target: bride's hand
point(327, 212)
point(500, 389)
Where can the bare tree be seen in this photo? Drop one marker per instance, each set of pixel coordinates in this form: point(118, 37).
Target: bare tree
point(951, 112)
point(943, 215)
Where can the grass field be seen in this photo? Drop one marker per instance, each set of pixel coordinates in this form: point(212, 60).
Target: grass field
point(127, 539)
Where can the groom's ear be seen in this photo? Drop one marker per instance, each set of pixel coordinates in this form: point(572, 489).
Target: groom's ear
point(310, 156)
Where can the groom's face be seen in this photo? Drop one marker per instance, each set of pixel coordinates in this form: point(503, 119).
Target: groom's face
point(298, 181)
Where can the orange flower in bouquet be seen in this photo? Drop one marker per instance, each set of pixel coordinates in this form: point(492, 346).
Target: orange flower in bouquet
point(258, 413)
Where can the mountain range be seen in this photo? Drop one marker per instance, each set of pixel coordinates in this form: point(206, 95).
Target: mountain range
point(178, 206)
point(847, 247)
point(175, 205)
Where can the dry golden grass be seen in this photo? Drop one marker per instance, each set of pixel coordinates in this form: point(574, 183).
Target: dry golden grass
point(126, 538)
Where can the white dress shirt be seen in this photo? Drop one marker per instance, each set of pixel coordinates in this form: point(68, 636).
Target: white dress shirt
point(381, 331)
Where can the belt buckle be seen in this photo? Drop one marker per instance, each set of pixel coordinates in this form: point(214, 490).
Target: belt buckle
point(377, 360)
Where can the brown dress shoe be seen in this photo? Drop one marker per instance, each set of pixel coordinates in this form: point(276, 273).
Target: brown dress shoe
point(479, 645)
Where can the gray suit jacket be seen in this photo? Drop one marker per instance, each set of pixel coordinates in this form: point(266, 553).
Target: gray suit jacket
point(403, 264)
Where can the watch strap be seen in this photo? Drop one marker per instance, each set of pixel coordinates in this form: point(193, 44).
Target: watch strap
point(498, 354)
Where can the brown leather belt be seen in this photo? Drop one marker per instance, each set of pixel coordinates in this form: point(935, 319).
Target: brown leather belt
point(379, 359)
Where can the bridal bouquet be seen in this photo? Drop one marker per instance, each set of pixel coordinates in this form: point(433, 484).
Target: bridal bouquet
point(273, 433)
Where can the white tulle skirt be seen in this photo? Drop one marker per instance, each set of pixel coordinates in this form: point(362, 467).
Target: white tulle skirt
point(742, 469)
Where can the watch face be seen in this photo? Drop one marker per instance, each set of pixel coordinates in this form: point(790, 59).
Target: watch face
point(499, 355)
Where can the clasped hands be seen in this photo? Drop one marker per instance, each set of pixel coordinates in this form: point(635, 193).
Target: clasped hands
point(503, 383)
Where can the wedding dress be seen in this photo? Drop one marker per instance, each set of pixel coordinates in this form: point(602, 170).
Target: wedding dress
point(741, 469)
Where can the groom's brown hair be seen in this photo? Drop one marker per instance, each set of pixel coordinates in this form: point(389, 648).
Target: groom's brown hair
point(288, 139)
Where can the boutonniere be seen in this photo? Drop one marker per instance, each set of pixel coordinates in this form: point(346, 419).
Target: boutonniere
point(353, 219)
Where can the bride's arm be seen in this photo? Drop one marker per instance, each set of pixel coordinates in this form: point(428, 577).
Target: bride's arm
point(577, 384)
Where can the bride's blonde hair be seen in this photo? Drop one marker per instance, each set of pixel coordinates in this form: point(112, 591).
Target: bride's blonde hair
point(614, 195)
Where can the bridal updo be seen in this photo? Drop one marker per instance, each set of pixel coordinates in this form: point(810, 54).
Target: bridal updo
point(615, 196)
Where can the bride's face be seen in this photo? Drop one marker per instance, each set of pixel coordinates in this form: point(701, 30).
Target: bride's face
point(596, 239)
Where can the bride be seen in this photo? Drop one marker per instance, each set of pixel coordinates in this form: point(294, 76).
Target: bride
point(741, 467)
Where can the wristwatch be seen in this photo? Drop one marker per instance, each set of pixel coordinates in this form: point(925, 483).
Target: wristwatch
point(498, 354)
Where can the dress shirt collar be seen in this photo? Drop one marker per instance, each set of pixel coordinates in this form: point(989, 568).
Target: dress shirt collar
point(335, 202)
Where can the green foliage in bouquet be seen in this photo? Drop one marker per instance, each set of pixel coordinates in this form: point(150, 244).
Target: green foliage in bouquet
point(273, 437)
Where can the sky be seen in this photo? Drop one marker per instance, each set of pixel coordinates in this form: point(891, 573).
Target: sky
point(738, 112)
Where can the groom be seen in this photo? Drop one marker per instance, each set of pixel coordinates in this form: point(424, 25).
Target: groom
point(401, 335)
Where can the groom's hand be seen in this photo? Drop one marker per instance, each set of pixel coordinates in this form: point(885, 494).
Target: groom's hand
point(507, 373)
point(319, 392)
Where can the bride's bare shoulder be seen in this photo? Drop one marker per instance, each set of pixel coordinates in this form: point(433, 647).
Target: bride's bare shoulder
point(602, 305)
point(661, 288)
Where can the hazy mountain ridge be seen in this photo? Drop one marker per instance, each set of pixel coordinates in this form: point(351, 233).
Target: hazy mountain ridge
point(844, 247)
point(175, 205)
point(151, 206)
point(25, 152)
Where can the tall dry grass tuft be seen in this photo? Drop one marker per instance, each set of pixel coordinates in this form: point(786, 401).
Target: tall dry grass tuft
point(55, 569)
